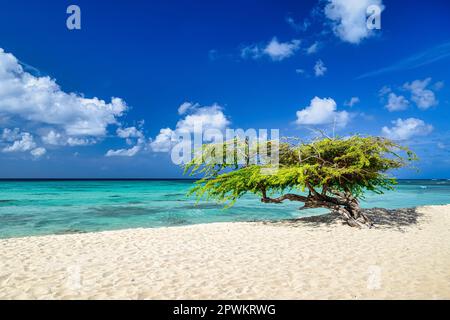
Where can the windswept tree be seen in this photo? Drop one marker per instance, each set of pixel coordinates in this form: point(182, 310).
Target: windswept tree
point(330, 173)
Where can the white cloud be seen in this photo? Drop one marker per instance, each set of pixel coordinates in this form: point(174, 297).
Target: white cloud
point(60, 139)
point(20, 142)
point(71, 141)
point(396, 103)
point(186, 106)
point(313, 48)
point(132, 135)
point(281, 50)
point(423, 97)
point(300, 71)
point(352, 102)
point(406, 129)
point(53, 138)
point(163, 140)
point(24, 143)
point(276, 50)
point(348, 18)
point(322, 111)
point(210, 117)
point(198, 118)
point(41, 105)
point(319, 68)
point(10, 135)
point(60, 118)
point(124, 152)
point(130, 132)
point(38, 152)
point(420, 91)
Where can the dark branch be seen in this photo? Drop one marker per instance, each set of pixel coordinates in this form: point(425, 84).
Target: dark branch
point(288, 196)
point(312, 190)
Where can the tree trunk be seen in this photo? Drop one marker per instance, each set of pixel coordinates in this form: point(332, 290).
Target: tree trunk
point(350, 210)
point(343, 204)
point(354, 217)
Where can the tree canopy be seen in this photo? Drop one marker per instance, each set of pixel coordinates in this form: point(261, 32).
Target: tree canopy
point(329, 172)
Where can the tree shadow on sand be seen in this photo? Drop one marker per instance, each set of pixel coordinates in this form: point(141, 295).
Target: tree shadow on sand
point(381, 218)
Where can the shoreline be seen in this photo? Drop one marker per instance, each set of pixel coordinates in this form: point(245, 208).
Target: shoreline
point(320, 218)
point(405, 256)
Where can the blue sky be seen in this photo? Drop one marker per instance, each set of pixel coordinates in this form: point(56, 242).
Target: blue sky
point(291, 65)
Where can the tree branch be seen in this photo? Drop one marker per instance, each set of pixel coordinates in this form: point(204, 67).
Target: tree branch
point(312, 190)
point(288, 196)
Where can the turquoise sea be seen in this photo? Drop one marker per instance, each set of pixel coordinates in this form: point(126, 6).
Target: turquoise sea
point(58, 207)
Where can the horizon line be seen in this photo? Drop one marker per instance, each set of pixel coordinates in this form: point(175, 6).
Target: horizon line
point(148, 179)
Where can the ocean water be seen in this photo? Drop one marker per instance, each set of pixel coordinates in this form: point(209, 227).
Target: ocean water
point(58, 207)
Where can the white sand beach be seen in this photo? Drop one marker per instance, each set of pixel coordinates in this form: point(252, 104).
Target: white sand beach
point(407, 256)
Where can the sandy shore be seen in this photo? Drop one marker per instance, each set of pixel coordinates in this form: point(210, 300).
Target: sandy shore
point(406, 256)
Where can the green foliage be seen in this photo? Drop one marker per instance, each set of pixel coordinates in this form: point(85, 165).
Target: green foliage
point(352, 165)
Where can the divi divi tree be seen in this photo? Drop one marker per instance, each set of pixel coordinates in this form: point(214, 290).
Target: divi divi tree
point(332, 173)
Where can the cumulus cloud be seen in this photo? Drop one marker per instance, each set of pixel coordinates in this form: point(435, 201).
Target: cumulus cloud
point(124, 152)
point(276, 50)
point(132, 135)
point(198, 119)
point(209, 117)
point(38, 152)
point(71, 141)
point(322, 111)
point(55, 138)
point(352, 102)
point(66, 118)
point(24, 143)
point(319, 68)
point(423, 97)
point(130, 132)
point(396, 103)
point(164, 140)
point(18, 141)
point(348, 18)
point(406, 129)
point(10, 134)
point(281, 50)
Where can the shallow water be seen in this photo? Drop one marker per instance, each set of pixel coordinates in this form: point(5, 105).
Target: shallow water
point(56, 207)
